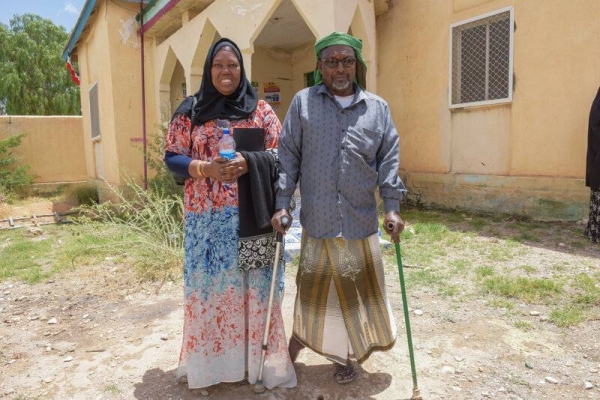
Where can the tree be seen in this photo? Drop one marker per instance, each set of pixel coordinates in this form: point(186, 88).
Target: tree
point(33, 77)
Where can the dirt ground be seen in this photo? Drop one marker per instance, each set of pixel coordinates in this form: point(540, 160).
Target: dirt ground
point(99, 333)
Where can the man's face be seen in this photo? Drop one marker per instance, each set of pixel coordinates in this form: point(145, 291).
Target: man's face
point(225, 71)
point(338, 68)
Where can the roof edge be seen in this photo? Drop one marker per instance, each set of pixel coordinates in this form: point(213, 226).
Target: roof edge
point(76, 32)
point(82, 21)
point(155, 11)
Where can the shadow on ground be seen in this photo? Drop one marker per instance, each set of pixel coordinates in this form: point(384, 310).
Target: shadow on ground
point(314, 382)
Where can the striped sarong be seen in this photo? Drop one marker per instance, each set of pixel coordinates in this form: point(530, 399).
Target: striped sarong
point(341, 310)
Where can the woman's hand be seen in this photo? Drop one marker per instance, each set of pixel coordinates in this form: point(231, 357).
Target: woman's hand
point(225, 170)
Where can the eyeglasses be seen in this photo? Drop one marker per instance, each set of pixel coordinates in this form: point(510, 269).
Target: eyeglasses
point(334, 62)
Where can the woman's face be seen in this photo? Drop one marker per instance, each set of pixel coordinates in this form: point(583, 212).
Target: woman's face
point(225, 71)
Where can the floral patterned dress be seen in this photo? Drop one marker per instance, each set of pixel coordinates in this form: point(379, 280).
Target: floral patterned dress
point(225, 306)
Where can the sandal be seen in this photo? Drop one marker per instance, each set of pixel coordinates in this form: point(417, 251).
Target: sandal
point(344, 373)
point(294, 348)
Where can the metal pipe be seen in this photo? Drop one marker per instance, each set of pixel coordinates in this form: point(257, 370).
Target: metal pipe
point(259, 387)
point(143, 95)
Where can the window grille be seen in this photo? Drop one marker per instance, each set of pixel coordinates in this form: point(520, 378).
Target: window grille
point(481, 54)
point(94, 111)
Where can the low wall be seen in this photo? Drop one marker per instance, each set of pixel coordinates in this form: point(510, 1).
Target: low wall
point(52, 147)
point(542, 198)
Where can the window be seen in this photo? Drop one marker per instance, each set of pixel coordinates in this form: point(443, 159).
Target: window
point(309, 79)
point(95, 112)
point(481, 59)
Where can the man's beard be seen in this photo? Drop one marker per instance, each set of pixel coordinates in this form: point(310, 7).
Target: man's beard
point(341, 86)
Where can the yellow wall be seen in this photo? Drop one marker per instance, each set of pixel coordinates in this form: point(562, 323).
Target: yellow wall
point(541, 133)
point(303, 62)
point(109, 55)
point(274, 66)
point(557, 67)
point(52, 147)
point(501, 152)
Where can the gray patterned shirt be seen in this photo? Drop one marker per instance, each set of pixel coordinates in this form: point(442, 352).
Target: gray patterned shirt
point(340, 156)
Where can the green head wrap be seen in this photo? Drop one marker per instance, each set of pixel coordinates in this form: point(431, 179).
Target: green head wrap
point(339, 38)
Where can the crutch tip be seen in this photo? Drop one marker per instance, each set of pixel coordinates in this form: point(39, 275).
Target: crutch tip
point(259, 387)
point(416, 395)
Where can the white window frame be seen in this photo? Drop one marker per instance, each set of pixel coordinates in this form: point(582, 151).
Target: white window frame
point(510, 60)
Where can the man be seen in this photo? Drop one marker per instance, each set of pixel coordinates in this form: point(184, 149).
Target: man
point(340, 144)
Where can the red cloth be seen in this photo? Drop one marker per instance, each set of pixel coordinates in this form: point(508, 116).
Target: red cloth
point(74, 75)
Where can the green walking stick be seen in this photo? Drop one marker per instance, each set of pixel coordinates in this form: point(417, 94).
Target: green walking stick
point(416, 394)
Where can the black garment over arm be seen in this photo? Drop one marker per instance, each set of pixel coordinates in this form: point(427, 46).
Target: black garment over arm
point(592, 171)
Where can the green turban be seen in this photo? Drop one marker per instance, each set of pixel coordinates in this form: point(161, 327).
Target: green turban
point(339, 38)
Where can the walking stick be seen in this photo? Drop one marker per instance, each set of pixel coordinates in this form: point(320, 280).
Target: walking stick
point(258, 386)
point(416, 393)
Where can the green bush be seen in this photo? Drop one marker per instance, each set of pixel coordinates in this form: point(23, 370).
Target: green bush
point(12, 177)
point(84, 195)
point(151, 222)
point(163, 180)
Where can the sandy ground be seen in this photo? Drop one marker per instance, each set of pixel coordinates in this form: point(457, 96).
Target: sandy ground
point(98, 333)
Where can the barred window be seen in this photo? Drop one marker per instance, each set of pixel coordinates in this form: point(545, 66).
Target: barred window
point(481, 53)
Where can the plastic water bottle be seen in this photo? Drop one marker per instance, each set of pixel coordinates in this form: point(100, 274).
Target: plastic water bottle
point(227, 145)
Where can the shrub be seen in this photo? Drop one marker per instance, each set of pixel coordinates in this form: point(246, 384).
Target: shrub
point(154, 220)
point(84, 195)
point(12, 177)
point(163, 179)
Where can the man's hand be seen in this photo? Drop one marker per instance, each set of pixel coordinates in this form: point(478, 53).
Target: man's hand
point(393, 225)
point(276, 221)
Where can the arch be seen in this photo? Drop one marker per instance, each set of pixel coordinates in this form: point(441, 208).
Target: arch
point(358, 28)
point(171, 78)
point(208, 37)
point(281, 54)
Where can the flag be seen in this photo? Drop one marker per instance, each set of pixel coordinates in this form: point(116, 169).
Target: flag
point(74, 75)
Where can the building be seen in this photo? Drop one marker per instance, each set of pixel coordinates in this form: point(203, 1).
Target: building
point(491, 97)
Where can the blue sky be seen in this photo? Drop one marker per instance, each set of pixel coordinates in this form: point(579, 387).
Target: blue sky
point(61, 12)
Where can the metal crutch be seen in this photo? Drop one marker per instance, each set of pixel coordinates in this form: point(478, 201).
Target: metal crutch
point(258, 386)
point(416, 393)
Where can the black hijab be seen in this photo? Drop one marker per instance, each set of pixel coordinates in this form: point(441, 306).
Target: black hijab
point(592, 173)
point(211, 104)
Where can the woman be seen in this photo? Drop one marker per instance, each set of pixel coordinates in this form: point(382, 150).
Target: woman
point(226, 284)
point(592, 173)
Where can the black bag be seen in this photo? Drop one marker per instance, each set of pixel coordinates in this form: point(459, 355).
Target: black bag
point(186, 108)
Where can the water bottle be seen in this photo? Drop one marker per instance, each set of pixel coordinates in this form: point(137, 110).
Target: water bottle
point(227, 145)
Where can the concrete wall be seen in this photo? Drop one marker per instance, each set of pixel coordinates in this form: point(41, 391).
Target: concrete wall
point(272, 65)
point(515, 157)
point(109, 55)
point(52, 147)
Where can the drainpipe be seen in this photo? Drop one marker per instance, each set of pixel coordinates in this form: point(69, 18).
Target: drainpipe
point(143, 95)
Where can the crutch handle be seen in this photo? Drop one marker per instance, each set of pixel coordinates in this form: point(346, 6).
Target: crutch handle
point(285, 221)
